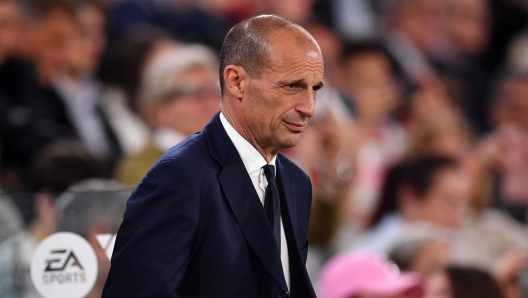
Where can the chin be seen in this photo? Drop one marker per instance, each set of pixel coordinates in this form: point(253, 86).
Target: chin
point(290, 142)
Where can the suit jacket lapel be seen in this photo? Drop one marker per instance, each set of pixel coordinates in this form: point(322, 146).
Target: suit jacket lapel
point(300, 285)
point(287, 193)
point(243, 199)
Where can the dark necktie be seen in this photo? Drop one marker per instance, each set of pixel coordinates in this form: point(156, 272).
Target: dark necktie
point(272, 203)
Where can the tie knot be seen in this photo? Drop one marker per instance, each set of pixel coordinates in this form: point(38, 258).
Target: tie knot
point(269, 172)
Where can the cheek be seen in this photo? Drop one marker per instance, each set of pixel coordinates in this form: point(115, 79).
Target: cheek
point(435, 208)
point(260, 110)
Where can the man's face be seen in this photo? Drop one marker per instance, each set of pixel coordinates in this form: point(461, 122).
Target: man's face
point(193, 105)
point(90, 41)
point(52, 42)
point(10, 28)
point(277, 106)
point(447, 200)
point(370, 84)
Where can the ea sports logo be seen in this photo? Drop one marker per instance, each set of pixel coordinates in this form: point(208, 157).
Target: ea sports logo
point(64, 265)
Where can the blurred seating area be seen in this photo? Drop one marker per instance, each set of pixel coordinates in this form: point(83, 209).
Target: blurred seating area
point(417, 153)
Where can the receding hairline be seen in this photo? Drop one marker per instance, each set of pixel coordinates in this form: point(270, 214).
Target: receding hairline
point(248, 43)
point(273, 23)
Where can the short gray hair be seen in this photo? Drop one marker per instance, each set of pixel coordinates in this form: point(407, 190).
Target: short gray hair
point(92, 202)
point(161, 72)
point(246, 44)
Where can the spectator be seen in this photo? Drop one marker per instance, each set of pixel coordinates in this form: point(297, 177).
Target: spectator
point(58, 166)
point(422, 250)
point(82, 92)
point(366, 275)
point(11, 29)
point(428, 252)
point(416, 30)
point(179, 94)
point(90, 208)
point(370, 85)
point(185, 20)
point(39, 115)
point(425, 189)
point(356, 20)
point(121, 70)
point(17, 78)
point(510, 157)
point(469, 282)
point(486, 238)
point(468, 29)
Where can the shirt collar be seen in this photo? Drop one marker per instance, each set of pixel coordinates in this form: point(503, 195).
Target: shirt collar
point(250, 156)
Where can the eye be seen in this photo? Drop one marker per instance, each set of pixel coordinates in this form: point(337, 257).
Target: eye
point(316, 88)
point(291, 88)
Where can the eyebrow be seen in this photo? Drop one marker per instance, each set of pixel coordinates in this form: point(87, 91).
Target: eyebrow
point(302, 81)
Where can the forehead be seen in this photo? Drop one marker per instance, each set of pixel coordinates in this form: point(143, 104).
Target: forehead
point(289, 49)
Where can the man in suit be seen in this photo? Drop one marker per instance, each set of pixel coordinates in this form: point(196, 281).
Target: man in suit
point(195, 226)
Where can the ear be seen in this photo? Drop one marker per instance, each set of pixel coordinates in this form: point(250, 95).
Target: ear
point(236, 80)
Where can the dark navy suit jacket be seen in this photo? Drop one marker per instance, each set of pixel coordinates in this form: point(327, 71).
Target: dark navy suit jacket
point(195, 227)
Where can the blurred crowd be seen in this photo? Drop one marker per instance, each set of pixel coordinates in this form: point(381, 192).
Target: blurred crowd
point(417, 153)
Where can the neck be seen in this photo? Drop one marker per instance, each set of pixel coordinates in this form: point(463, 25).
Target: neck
point(268, 154)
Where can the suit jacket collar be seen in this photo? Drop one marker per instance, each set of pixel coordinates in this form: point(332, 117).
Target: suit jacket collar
point(243, 199)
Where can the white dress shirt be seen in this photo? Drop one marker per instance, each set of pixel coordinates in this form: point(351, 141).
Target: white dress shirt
point(254, 161)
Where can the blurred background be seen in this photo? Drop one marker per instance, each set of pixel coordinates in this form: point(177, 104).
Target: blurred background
point(418, 152)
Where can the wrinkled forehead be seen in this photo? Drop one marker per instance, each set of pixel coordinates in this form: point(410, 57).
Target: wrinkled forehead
point(293, 36)
point(293, 44)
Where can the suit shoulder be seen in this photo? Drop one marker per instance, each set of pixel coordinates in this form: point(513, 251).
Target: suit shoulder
point(188, 152)
point(186, 160)
point(292, 168)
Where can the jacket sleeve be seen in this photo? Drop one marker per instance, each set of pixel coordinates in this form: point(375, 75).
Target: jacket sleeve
point(155, 240)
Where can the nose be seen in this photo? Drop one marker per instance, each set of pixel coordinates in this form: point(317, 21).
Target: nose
point(306, 104)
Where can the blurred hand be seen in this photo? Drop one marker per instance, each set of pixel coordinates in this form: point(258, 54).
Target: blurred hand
point(506, 271)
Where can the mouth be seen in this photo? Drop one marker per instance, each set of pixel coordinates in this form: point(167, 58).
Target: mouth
point(295, 127)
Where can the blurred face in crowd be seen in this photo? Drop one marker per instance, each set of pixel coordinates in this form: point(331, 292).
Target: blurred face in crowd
point(51, 44)
point(10, 28)
point(513, 106)
point(469, 25)
point(90, 41)
point(423, 22)
point(370, 84)
point(192, 104)
point(273, 110)
point(444, 203)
